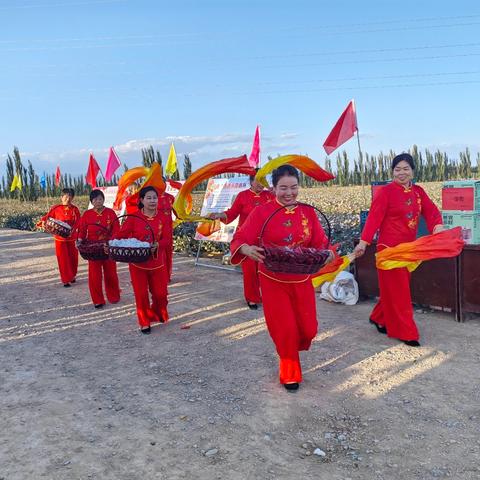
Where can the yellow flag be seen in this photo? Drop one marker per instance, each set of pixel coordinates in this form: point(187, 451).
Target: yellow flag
point(171, 167)
point(16, 183)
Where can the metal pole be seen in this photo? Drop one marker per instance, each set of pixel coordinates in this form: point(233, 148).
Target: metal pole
point(362, 177)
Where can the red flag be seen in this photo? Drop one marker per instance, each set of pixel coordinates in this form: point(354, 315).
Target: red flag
point(92, 171)
point(58, 176)
point(343, 130)
point(254, 158)
point(113, 163)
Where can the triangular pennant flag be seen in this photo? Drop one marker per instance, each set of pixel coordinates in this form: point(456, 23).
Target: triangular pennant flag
point(92, 171)
point(16, 182)
point(343, 130)
point(171, 166)
point(58, 176)
point(113, 163)
point(254, 158)
point(43, 181)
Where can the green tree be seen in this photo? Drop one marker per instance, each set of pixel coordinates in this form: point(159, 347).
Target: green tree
point(187, 166)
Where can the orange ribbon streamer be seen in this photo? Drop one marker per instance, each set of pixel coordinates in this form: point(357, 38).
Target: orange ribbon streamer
point(445, 244)
point(227, 165)
point(303, 163)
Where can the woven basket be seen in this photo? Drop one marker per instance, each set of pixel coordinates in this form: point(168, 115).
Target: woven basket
point(131, 254)
point(53, 227)
point(93, 249)
point(299, 260)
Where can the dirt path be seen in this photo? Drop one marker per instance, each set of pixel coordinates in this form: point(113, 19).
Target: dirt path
point(83, 395)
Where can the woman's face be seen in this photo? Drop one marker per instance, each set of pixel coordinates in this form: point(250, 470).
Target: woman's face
point(150, 201)
point(98, 202)
point(403, 173)
point(66, 199)
point(286, 190)
point(257, 187)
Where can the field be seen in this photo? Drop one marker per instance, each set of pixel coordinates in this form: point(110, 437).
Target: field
point(342, 206)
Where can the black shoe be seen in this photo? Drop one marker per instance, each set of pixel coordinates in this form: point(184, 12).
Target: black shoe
point(74, 280)
point(99, 305)
point(252, 306)
point(291, 387)
point(411, 343)
point(380, 329)
point(66, 285)
point(146, 330)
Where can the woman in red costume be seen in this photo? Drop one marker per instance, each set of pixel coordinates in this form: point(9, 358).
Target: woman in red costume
point(150, 276)
point(107, 228)
point(288, 299)
point(395, 213)
point(65, 249)
point(243, 205)
point(165, 208)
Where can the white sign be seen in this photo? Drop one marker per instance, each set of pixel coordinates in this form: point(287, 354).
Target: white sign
point(219, 196)
point(110, 195)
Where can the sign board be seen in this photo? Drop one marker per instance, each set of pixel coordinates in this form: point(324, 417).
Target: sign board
point(110, 194)
point(219, 196)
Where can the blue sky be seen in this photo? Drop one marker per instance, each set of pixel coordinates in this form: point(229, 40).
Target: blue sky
point(82, 75)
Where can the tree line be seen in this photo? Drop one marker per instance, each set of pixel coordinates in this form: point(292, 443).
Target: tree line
point(363, 170)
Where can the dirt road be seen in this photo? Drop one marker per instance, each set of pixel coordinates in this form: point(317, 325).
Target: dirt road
point(83, 395)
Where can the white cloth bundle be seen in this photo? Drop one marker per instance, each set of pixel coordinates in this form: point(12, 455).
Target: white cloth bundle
point(344, 289)
point(59, 222)
point(128, 242)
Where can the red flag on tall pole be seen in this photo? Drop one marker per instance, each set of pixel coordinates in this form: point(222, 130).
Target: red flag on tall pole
point(113, 163)
point(92, 171)
point(254, 158)
point(343, 130)
point(58, 176)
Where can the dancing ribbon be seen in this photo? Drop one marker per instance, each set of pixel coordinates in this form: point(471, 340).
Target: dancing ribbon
point(303, 163)
point(445, 244)
point(227, 165)
point(153, 177)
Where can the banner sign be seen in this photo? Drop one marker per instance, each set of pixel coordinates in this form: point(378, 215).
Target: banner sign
point(110, 194)
point(219, 196)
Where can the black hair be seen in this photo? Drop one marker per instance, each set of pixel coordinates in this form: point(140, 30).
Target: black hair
point(252, 177)
point(284, 171)
point(403, 157)
point(96, 193)
point(68, 191)
point(143, 192)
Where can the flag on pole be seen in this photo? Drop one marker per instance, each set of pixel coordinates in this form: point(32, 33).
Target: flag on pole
point(171, 166)
point(113, 163)
point(92, 171)
point(343, 130)
point(58, 176)
point(43, 181)
point(254, 158)
point(16, 182)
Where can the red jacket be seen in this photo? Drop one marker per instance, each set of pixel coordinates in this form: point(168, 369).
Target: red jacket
point(396, 211)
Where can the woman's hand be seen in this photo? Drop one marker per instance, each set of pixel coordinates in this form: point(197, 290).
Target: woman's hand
point(253, 252)
point(359, 250)
point(216, 216)
point(438, 229)
point(154, 247)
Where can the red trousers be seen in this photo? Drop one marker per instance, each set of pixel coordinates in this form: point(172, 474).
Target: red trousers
point(169, 260)
point(394, 308)
point(251, 284)
point(154, 282)
point(67, 258)
point(107, 269)
point(291, 317)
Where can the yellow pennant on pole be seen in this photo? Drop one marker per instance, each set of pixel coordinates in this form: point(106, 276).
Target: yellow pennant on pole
point(171, 166)
point(16, 183)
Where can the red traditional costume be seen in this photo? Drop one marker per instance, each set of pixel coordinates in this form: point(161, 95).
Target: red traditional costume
point(242, 206)
point(151, 275)
point(165, 208)
point(65, 249)
point(395, 212)
point(288, 299)
point(88, 230)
